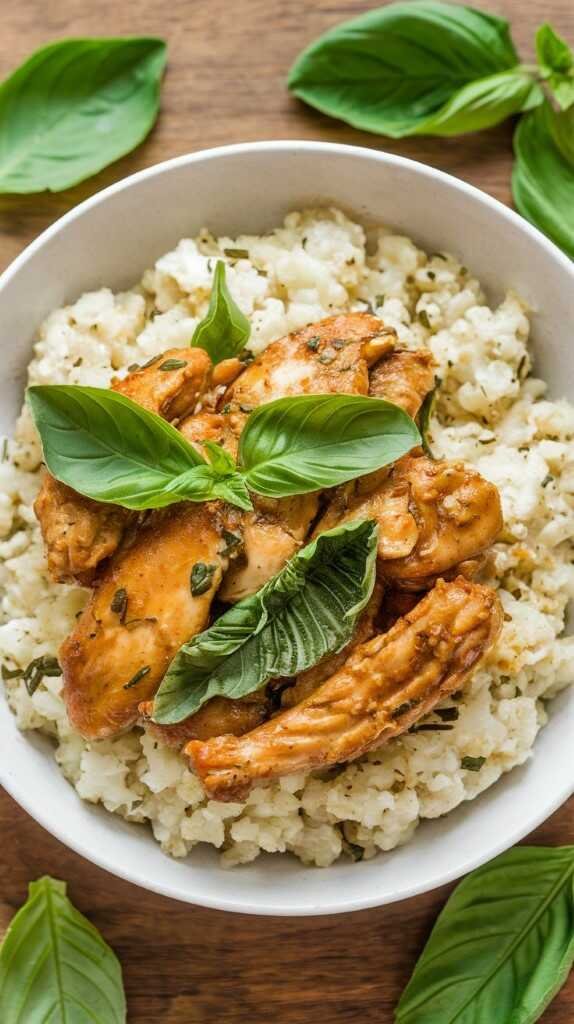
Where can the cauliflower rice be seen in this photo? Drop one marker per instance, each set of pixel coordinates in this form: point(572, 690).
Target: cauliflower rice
point(489, 412)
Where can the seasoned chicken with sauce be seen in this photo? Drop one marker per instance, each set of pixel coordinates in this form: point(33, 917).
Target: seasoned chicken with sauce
point(118, 653)
point(80, 533)
point(385, 686)
point(143, 608)
point(97, 658)
point(432, 515)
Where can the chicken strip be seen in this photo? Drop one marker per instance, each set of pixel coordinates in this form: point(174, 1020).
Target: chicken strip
point(155, 594)
point(405, 377)
point(219, 716)
point(80, 533)
point(432, 517)
point(384, 687)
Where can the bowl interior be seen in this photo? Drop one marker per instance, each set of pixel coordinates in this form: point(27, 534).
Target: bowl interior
point(110, 240)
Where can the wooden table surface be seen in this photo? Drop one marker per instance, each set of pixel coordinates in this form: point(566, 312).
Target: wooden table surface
point(225, 83)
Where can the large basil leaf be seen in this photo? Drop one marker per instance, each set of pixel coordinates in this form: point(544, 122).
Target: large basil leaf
point(55, 966)
point(393, 69)
point(503, 945)
point(224, 331)
point(302, 444)
point(305, 612)
point(74, 107)
point(109, 448)
point(557, 64)
point(543, 179)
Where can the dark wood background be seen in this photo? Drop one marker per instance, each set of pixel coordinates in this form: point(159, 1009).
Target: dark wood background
point(225, 83)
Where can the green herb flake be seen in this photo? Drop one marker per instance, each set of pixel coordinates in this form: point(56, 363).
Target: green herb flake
point(173, 364)
point(472, 764)
point(150, 362)
point(547, 480)
point(431, 727)
point(133, 367)
point(353, 850)
point(139, 675)
point(201, 578)
point(246, 357)
point(232, 541)
point(424, 319)
point(450, 714)
point(313, 343)
point(236, 254)
point(244, 407)
point(404, 708)
point(11, 673)
point(380, 299)
point(45, 665)
point(120, 603)
point(4, 456)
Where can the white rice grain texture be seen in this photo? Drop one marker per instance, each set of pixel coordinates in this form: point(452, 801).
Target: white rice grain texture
point(490, 413)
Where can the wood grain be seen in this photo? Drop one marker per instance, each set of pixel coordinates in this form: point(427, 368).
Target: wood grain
point(184, 965)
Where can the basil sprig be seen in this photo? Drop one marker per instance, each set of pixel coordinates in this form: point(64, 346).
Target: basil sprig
point(305, 612)
point(302, 444)
point(428, 67)
point(422, 67)
point(224, 331)
point(108, 448)
point(503, 945)
point(55, 966)
point(74, 107)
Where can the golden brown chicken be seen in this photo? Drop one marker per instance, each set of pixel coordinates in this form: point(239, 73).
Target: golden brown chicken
point(79, 533)
point(432, 517)
point(405, 377)
point(384, 687)
point(98, 658)
point(155, 595)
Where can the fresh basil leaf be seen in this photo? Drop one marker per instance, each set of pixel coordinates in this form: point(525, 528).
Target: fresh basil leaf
point(305, 612)
point(484, 103)
point(557, 63)
point(204, 483)
point(74, 107)
point(55, 966)
point(503, 945)
point(224, 331)
point(543, 180)
point(221, 460)
point(110, 449)
point(302, 444)
point(392, 69)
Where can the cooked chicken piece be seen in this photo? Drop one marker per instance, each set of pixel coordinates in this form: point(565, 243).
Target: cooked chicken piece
point(432, 517)
point(405, 377)
point(171, 384)
point(153, 596)
point(331, 356)
point(221, 715)
point(79, 533)
point(384, 687)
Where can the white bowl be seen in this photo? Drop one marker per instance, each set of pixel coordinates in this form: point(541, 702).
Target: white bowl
point(111, 239)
